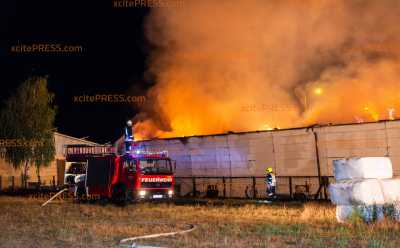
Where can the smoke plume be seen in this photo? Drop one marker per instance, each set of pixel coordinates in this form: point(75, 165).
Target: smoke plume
point(247, 65)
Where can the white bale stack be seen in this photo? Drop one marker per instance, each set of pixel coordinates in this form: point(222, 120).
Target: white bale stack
point(362, 168)
point(365, 192)
point(357, 192)
point(365, 185)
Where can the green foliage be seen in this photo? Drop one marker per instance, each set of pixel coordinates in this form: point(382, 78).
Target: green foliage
point(356, 218)
point(28, 115)
point(342, 242)
point(389, 210)
point(373, 243)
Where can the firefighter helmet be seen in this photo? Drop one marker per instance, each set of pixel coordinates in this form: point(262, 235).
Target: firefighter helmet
point(129, 123)
point(269, 170)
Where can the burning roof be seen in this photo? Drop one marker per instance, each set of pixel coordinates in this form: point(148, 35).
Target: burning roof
point(255, 65)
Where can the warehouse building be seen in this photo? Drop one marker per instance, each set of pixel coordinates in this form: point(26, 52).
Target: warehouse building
point(234, 163)
point(51, 175)
point(305, 154)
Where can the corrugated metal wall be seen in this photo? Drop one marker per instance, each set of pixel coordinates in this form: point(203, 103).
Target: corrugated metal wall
point(289, 152)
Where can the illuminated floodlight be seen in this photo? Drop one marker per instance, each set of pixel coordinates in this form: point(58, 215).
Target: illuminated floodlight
point(318, 91)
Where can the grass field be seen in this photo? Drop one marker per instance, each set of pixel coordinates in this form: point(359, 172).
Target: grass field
point(64, 224)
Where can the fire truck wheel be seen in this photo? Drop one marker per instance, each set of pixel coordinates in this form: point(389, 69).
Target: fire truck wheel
point(119, 195)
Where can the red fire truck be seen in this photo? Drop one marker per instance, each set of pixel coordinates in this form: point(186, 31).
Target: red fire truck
point(136, 175)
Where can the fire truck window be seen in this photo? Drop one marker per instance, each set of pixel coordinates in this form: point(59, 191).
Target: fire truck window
point(155, 166)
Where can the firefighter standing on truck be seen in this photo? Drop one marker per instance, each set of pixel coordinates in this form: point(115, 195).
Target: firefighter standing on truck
point(271, 182)
point(128, 136)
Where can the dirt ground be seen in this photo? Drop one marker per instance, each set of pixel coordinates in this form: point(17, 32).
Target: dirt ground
point(24, 223)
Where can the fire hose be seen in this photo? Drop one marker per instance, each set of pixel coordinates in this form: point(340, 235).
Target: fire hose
point(190, 228)
point(54, 196)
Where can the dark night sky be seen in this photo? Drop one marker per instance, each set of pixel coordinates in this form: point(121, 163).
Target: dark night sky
point(113, 60)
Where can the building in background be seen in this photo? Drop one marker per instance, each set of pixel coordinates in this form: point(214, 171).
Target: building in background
point(306, 154)
point(302, 153)
point(51, 175)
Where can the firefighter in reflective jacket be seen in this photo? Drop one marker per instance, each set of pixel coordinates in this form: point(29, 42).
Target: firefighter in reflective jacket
point(128, 136)
point(271, 182)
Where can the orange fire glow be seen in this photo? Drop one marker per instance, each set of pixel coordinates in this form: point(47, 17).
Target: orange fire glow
point(249, 65)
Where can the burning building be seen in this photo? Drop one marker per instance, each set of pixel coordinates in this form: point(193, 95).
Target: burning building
point(305, 153)
point(233, 67)
point(256, 65)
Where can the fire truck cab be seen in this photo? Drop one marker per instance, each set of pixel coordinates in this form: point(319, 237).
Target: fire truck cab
point(136, 175)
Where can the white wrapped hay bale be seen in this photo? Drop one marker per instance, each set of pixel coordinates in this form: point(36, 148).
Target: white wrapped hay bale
point(364, 187)
point(365, 192)
point(357, 192)
point(391, 190)
point(362, 168)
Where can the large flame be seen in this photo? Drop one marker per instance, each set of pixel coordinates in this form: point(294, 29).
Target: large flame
point(254, 64)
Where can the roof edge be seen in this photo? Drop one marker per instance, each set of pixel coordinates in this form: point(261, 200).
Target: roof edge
point(74, 138)
point(265, 131)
